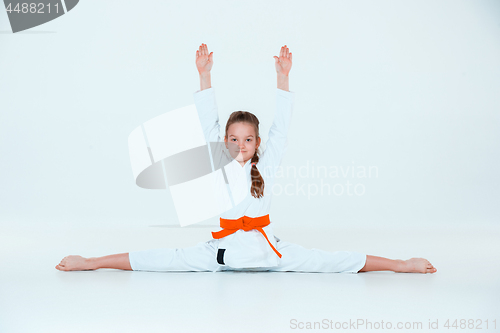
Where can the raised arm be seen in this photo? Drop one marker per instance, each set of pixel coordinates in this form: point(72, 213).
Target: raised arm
point(204, 98)
point(278, 133)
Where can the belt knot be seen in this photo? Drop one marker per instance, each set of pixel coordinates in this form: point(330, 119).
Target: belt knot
point(245, 223)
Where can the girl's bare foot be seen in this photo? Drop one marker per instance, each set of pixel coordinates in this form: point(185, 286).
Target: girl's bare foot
point(416, 265)
point(74, 263)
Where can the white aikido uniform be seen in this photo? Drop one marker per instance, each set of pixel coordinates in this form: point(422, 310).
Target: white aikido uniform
point(247, 250)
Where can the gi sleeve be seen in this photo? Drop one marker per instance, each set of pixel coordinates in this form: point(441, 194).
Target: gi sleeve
point(208, 114)
point(277, 141)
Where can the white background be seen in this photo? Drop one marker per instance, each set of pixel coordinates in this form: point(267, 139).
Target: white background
point(409, 87)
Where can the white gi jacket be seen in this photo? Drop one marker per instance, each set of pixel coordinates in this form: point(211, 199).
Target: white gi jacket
point(245, 249)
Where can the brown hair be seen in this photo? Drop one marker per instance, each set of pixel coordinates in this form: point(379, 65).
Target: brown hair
point(257, 188)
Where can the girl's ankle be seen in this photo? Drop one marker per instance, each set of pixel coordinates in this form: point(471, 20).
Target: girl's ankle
point(91, 263)
point(400, 266)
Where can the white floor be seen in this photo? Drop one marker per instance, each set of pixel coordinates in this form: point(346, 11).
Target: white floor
point(35, 297)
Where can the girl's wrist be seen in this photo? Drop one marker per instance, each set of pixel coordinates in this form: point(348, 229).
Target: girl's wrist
point(205, 81)
point(283, 82)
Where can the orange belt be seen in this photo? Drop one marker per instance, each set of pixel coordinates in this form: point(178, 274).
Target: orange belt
point(246, 223)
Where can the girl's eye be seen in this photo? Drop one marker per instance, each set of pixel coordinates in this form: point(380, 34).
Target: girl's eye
point(249, 139)
point(233, 139)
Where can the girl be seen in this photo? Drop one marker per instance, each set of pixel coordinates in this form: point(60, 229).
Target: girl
point(246, 241)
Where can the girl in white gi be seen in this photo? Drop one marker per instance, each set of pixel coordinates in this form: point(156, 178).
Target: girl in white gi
point(246, 241)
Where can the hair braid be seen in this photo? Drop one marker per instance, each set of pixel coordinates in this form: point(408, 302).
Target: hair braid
point(257, 188)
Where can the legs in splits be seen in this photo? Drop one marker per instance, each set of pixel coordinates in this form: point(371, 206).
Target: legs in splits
point(202, 257)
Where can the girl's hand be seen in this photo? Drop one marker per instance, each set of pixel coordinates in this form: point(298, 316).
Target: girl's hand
point(284, 62)
point(204, 61)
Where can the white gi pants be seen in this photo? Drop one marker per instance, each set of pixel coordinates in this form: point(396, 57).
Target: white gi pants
point(203, 257)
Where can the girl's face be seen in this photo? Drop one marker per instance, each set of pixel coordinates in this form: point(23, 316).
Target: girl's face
point(241, 141)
